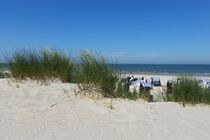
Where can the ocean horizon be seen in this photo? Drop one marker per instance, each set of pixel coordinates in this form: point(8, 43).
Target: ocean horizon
point(161, 69)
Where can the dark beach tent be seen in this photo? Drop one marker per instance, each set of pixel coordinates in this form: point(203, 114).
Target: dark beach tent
point(169, 83)
point(155, 81)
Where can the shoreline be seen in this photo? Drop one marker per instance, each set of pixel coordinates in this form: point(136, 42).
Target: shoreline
point(166, 74)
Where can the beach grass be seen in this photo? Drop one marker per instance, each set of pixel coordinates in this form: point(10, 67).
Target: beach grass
point(40, 65)
point(95, 75)
point(187, 90)
point(123, 91)
point(57, 64)
point(1, 74)
point(4, 74)
point(24, 63)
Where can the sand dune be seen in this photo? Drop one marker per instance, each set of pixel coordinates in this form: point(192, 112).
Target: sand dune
point(53, 112)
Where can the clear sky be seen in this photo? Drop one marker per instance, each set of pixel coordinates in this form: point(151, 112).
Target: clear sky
point(141, 31)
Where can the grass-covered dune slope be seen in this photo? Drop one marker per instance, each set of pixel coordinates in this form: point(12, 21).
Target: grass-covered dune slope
point(93, 75)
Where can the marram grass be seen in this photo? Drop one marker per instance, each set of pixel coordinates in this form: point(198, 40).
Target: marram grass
point(57, 64)
point(40, 65)
point(1, 75)
point(187, 90)
point(95, 75)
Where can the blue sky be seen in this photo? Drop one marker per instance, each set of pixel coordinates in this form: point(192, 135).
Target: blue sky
point(141, 31)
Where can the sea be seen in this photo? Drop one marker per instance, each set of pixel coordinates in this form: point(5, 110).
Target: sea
point(165, 69)
point(157, 69)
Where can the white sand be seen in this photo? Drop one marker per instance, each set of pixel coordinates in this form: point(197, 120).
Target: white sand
point(52, 112)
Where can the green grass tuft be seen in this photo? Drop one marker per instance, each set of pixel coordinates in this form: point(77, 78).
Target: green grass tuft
point(1, 74)
point(43, 65)
point(187, 90)
point(57, 64)
point(94, 74)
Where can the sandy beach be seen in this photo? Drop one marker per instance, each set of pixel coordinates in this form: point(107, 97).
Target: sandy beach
point(52, 112)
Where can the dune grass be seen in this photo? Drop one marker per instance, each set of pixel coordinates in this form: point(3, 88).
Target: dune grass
point(95, 75)
point(187, 90)
point(1, 74)
point(40, 65)
point(92, 74)
point(25, 64)
point(4, 74)
point(57, 64)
